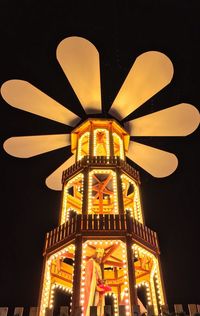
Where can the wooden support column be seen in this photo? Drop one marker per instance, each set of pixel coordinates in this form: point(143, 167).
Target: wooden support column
point(131, 274)
point(18, 311)
point(42, 284)
point(164, 309)
point(192, 309)
point(77, 275)
point(49, 312)
point(119, 191)
point(111, 140)
point(178, 308)
point(33, 311)
point(3, 311)
point(162, 281)
point(85, 190)
point(91, 140)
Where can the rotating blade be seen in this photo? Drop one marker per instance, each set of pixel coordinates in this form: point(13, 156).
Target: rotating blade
point(54, 180)
point(178, 120)
point(79, 60)
point(150, 73)
point(24, 96)
point(29, 146)
point(157, 162)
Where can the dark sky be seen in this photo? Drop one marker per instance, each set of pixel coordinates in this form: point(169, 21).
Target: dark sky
point(30, 33)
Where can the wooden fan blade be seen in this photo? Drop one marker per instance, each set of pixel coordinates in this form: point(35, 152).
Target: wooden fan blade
point(178, 120)
point(157, 162)
point(24, 96)
point(79, 60)
point(29, 146)
point(54, 180)
point(150, 73)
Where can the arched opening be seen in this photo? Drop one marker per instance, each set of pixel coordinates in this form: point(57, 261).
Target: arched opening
point(83, 145)
point(104, 276)
point(102, 192)
point(101, 142)
point(118, 146)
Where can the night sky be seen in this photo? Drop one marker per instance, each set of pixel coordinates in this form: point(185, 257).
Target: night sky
point(121, 30)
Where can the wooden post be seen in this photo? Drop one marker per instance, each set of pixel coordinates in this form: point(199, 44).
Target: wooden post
point(3, 311)
point(18, 311)
point(49, 311)
point(91, 143)
point(164, 309)
point(192, 309)
point(85, 191)
point(33, 311)
point(178, 308)
point(77, 275)
point(111, 140)
point(119, 191)
point(131, 273)
point(162, 280)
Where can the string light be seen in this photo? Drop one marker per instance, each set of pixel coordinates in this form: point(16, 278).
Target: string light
point(80, 145)
point(121, 149)
point(154, 273)
point(115, 301)
point(101, 244)
point(136, 211)
point(114, 180)
point(48, 288)
point(106, 142)
point(65, 210)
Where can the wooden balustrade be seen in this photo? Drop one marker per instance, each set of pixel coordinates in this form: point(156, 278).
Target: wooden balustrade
point(101, 225)
point(178, 309)
point(100, 161)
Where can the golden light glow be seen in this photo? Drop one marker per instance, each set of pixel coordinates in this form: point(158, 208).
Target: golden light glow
point(158, 163)
point(137, 88)
point(101, 142)
point(23, 95)
point(102, 192)
point(118, 146)
point(79, 60)
point(72, 197)
point(83, 145)
point(155, 296)
point(131, 199)
point(108, 138)
point(55, 278)
point(115, 256)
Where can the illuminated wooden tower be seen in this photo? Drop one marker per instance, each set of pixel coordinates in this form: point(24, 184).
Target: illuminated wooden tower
point(101, 223)
point(101, 209)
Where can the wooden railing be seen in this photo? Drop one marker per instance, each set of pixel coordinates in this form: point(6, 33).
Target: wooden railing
point(101, 225)
point(176, 310)
point(99, 161)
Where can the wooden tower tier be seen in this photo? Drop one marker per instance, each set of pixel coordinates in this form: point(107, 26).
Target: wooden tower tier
point(101, 255)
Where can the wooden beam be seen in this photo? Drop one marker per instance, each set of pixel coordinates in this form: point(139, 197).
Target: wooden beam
point(110, 251)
